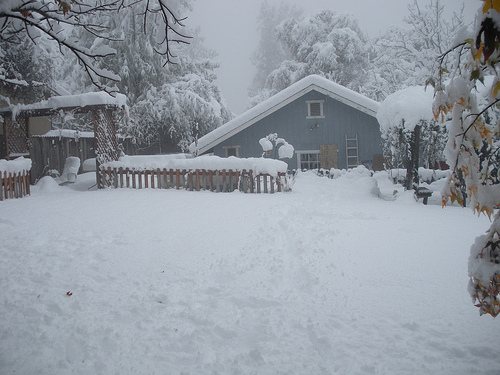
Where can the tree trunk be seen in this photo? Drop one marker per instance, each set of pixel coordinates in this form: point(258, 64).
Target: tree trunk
point(412, 179)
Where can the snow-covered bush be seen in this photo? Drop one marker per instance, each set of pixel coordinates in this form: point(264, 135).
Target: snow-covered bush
point(285, 150)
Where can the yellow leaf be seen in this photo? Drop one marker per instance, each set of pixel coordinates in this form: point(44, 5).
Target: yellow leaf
point(496, 88)
point(479, 53)
point(491, 4)
point(487, 211)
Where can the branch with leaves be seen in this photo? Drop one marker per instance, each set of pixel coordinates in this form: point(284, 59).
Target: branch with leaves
point(473, 145)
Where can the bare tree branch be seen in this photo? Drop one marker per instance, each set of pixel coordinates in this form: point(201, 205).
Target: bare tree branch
point(50, 17)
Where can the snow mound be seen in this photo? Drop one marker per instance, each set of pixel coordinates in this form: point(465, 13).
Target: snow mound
point(47, 184)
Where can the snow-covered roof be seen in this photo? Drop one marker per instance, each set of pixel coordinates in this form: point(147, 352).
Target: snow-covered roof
point(67, 133)
point(71, 101)
point(274, 103)
point(412, 105)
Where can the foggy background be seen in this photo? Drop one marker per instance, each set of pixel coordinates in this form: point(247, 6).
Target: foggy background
point(230, 28)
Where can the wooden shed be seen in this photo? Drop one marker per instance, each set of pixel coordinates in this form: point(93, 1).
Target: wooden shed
point(328, 125)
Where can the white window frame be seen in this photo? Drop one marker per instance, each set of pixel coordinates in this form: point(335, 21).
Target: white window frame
point(227, 148)
point(303, 152)
point(321, 113)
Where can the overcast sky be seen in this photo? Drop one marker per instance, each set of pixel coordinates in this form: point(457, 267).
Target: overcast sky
point(230, 28)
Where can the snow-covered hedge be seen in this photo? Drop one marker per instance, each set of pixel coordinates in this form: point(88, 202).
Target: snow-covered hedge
point(15, 166)
point(206, 162)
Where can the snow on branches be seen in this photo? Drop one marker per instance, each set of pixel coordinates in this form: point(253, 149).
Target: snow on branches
point(54, 18)
point(473, 147)
point(399, 114)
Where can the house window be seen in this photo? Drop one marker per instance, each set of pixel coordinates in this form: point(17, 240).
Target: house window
point(232, 151)
point(315, 109)
point(308, 159)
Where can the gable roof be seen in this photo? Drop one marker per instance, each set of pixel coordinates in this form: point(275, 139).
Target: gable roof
point(274, 103)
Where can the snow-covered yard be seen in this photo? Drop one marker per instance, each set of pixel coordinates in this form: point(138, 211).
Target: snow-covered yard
point(327, 279)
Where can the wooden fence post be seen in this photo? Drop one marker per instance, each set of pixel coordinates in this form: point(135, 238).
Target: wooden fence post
point(11, 186)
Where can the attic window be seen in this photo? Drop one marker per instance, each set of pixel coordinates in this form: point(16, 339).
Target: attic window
point(315, 109)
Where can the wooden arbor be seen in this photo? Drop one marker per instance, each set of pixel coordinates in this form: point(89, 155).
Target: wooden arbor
point(105, 112)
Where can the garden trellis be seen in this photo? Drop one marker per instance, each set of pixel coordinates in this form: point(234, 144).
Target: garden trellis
point(105, 109)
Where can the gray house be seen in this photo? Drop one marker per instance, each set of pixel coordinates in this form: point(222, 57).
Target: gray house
point(329, 126)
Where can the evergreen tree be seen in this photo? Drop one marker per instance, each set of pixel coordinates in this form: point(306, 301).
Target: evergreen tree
point(170, 104)
point(172, 114)
point(327, 43)
point(26, 71)
point(270, 53)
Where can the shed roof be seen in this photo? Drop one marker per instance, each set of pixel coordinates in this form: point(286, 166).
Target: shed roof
point(67, 102)
point(274, 103)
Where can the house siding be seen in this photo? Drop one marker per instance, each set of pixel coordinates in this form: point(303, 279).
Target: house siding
point(291, 123)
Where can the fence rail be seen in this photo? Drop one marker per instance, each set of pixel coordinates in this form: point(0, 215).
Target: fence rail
point(216, 181)
point(14, 185)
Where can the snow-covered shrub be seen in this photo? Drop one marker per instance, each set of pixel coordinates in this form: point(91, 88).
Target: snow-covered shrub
point(285, 150)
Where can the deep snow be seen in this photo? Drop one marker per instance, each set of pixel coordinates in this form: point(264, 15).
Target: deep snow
point(327, 279)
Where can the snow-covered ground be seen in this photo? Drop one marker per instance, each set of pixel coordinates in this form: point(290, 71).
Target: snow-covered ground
point(327, 279)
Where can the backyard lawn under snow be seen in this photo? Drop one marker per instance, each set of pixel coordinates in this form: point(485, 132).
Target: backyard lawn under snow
point(326, 279)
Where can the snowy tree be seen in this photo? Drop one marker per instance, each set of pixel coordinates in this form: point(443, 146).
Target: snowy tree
point(174, 105)
point(327, 43)
point(473, 144)
point(26, 72)
point(270, 53)
point(53, 18)
point(407, 56)
point(170, 104)
point(412, 137)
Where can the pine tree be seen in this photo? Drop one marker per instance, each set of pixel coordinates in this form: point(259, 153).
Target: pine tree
point(270, 53)
point(27, 71)
point(170, 105)
point(327, 43)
